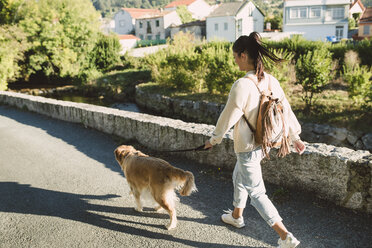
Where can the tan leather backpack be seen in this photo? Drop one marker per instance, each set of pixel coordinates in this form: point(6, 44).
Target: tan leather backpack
point(271, 126)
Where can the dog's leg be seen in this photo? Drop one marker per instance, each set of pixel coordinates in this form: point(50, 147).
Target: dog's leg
point(166, 201)
point(137, 197)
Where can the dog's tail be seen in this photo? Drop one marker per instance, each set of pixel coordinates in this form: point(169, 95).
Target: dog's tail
point(188, 182)
point(189, 185)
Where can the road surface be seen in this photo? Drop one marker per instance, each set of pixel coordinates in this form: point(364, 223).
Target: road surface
point(60, 186)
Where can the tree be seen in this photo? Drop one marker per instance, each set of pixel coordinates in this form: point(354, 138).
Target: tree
point(62, 33)
point(12, 45)
point(184, 14)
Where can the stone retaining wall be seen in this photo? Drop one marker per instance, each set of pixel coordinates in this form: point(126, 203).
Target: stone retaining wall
point(340, 175)
point(205, 112)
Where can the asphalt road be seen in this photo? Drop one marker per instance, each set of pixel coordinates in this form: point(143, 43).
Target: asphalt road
point(60, 186)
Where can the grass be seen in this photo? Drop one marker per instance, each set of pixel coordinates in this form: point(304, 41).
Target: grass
point(332, 106)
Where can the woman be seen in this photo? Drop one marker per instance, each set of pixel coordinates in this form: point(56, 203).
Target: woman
point(249, 54)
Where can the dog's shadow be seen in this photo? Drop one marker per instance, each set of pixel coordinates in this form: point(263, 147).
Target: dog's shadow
point(25, 199)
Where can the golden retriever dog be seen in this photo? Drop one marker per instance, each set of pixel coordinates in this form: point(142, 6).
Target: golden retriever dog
point(156, 176)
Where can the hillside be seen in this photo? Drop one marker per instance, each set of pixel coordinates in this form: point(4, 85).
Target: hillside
point(108, 7)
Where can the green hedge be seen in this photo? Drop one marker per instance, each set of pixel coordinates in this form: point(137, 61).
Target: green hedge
point(300, 46)
point(146, 43)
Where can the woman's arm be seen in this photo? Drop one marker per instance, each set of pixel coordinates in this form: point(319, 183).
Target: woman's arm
point(232, 112)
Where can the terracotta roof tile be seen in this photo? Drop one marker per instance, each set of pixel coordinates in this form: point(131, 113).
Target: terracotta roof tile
point(128, 37)
point(179, 2)
point(366, 16)
point(137, 13)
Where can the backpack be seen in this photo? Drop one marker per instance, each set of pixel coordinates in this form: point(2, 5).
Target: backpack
point(271, 126)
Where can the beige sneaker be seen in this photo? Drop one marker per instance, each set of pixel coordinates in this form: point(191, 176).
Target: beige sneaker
point(289, 242)
point(229, 219)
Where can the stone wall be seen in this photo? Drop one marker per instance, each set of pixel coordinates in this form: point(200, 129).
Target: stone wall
point(206, 112)
point(340, 175)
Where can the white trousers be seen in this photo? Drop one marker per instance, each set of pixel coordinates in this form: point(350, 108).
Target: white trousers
point(248, 181)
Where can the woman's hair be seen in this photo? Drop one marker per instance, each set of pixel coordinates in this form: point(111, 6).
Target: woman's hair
point(253, 46)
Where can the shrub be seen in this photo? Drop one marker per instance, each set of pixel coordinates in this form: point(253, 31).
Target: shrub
point(359, 79)
point(192, 67)
point(364, 49)
point(313, 72)
point(106, 52)
point(88, 75)
point(281, 70)
point(222, 70)
point(130, 62)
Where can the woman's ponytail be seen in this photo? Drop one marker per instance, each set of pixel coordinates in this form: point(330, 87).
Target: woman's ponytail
point(256, 50)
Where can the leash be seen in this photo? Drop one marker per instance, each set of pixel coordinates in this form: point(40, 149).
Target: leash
point(199, 148)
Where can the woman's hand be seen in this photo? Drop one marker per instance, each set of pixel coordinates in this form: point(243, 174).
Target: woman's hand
point(299, 146)
point(207, 145)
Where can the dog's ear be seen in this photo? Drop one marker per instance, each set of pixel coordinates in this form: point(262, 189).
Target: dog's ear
point(121, 154)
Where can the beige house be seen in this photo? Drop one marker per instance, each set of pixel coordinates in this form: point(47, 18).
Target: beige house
point(156, 26)
point(365, 24)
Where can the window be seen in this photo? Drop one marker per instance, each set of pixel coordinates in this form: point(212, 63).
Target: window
point(240, 25)
point(140, 24)
point(158, 36)
point(149, 27)
point(338, 13)
point(141, 36)
point(339, 32)
point(157, 23)
point(366, 30)
point(296, 13)
point(315, 12)
point(149, 37)
point(216, 27)
point(225, 26)
point(121, 23)
point(303, 12)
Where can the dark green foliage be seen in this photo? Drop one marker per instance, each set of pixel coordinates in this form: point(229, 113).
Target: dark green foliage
point(105, 53)
point(313, 71)
point(145, 43)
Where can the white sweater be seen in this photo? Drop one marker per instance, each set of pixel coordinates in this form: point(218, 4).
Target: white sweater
point(244, 99)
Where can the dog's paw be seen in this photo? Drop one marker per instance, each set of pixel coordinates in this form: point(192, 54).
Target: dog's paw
point(138, 209)
point(171, 226)
point(158, 208)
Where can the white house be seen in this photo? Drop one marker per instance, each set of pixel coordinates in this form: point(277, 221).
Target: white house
point(125, 19)
point(107, 25)
point(317, 19)
point(156, 26)
point(231, 20)
point(199, 9)
point(356, 7)
point(196, 28)
point(127, 42)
